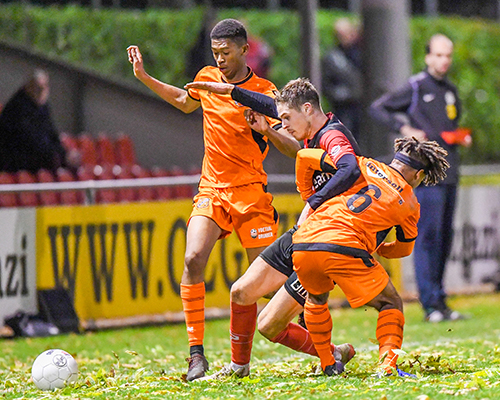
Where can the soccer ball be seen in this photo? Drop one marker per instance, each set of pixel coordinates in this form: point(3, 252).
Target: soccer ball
point(54, 369)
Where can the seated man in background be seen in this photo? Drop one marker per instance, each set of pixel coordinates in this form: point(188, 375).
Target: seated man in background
point(28, 138)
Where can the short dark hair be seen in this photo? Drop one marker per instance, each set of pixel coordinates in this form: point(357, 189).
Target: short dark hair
point(230, 29)
point(298, 92)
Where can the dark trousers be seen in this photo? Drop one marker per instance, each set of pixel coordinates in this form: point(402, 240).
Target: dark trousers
point(433, 244)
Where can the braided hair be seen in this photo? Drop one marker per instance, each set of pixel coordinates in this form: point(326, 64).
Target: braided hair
point(429, 153)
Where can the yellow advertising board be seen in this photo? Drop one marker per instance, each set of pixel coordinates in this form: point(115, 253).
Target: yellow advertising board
point(122, 260)
point(126, 260)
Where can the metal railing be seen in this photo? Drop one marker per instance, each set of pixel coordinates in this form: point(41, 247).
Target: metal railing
point(91, 186)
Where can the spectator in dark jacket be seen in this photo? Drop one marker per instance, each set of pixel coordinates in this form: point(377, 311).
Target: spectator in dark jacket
point(342, 82)
point(28, 137)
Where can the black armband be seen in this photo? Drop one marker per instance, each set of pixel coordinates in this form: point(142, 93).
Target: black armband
point(256, 101)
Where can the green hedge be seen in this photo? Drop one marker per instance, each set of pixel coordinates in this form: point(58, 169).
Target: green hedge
point(98, 39)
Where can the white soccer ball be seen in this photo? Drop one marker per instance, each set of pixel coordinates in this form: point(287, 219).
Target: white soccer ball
point(53, 369)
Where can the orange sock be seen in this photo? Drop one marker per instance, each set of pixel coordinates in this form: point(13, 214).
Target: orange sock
point(193, 303)
point(389, 333)
point(319, 323)
point(241, 331)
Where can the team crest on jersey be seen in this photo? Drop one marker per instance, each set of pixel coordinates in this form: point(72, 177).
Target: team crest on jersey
point(253, 233)
point(451, 108)
point(335, 150)
point(203, 202)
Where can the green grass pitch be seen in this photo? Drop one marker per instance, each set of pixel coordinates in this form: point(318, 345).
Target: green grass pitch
point(453, 360)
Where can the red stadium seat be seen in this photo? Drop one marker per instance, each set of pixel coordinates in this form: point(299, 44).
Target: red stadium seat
point(68, 141)
point(125, 194)
point(105, 150)
point(47, 198)
point(181, 191)
point(124, 150)
point(163, 192)
point(104, 172)
point(7, 199)
point(88, 149)
point(144, 193)
point(27, 199)
point(69, 197)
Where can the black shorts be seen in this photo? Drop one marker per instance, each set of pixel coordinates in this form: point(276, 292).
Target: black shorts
point(295, 289)
point(279, 256)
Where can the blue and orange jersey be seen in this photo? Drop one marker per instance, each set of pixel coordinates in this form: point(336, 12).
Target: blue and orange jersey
point(362, 216)
point(233, 152)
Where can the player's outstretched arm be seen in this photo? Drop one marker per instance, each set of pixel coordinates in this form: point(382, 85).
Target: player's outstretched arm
point(173, 95)
point(283, 140)
point(214, 87)
point(256, 101)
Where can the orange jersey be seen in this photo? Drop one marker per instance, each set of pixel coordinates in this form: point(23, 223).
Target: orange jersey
point(361, 217)
point(233, 152)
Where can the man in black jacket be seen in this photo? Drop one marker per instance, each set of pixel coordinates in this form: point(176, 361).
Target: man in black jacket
point(341, 78)
point(432, 108)
point(28, 138)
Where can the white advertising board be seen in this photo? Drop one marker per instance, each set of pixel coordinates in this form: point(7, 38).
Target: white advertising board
point(17, 261)
point(475, 254)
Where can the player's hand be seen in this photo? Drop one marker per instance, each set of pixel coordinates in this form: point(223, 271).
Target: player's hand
point(135, 58)
point(214, 87)
point(467, 141)
point(256, 121)
point(409, 131)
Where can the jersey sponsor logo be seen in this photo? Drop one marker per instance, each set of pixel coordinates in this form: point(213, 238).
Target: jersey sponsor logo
point(373, 171)
point(203, 202)
point(262, 232)
point(320, 179)
point(427, 98)
point(298, 288)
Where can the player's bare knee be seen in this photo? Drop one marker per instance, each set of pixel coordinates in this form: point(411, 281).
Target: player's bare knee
point(194, 264)
point(237, 294)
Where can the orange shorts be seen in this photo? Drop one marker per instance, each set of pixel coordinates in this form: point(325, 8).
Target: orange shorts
point(246, 208)
point(319, 271)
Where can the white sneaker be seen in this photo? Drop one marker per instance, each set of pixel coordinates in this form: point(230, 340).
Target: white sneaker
point(435, 316)
point(227, 371)
point(451, 315)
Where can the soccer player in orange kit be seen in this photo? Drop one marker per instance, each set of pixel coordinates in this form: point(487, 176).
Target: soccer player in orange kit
point(232, 190)
point(334, 245)
point(298, 106)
